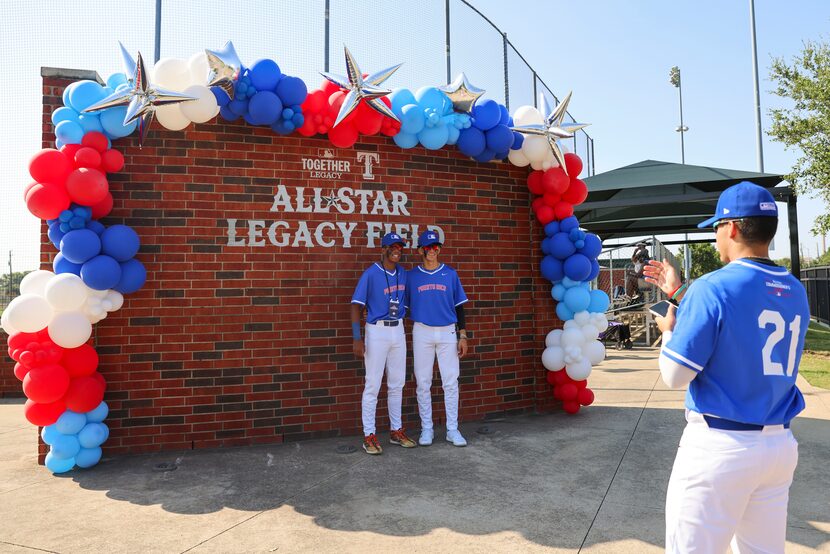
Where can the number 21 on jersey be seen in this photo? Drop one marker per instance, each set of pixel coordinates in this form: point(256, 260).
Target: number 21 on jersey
point(771, 317)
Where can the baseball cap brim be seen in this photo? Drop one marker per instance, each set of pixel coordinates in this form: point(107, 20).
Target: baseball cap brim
point(709, 222)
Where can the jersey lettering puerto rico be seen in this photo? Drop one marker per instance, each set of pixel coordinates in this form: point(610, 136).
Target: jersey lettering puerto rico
point(742, 329)
point(376, 288)
point(432, 296)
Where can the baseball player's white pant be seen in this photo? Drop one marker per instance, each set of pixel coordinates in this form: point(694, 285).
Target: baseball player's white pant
point(427, 342)
point(385, 349)
point(730, 486)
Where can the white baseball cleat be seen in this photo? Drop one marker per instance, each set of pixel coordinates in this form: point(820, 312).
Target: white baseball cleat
point(456, 438)
point(426, 437)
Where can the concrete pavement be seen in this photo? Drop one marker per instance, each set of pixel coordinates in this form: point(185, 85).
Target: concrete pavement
point(594, 482)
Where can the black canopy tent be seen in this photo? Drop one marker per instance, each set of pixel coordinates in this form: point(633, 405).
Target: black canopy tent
point(653, 197)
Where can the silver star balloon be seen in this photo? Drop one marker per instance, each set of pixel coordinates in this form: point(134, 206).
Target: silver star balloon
point(553, 128)
point(127, 63)
point(462, 94)
point(225, 68)
point(367, 89)
point(141, 100)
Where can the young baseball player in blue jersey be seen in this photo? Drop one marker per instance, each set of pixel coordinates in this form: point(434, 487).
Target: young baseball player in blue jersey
point(435, 298)
point(381, 292)
point(736, 341)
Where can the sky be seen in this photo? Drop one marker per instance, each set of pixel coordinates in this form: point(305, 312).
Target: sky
point(615, 57)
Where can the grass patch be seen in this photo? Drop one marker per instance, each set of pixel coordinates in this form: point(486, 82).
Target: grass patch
point(815, 362)
point(818, 338)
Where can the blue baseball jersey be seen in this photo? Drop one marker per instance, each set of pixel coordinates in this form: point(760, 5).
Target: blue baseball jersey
point(742, 329)
point(376, 288)
point(432, 296)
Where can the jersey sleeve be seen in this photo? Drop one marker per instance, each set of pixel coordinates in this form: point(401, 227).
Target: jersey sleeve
point(407, 295)
point(459, 297)
point(698, 325)
point(361, 291)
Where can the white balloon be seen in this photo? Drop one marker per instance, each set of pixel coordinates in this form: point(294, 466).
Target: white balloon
point(554, 338)
point(594, 351)
point(553, 358)
point(517, 158)
point(70, 329)
point(201, 110)
point(589, 332)
point(535, 148)
point(116, 299)
point(4, 323)
point(29, 313)
point(198, 68)
point(572, 337)
point(172, 74)
point(35, 282)
point(66, 292)
point(573, 354)
point(546, 165)
point(582, 318)
point(599, 321)
point(536, 164)
point(95, 293)
point(571, 324)
point(579, 370)
point(527, 115)
point(171, 117)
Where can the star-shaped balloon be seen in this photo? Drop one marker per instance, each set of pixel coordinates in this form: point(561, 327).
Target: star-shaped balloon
point(141, 100)
point(127, 63)
point(553, 128)
point(462, 94)
point(225, 68)
point(367, 89)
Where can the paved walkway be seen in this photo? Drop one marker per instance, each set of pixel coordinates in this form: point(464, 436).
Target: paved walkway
point(595, 482)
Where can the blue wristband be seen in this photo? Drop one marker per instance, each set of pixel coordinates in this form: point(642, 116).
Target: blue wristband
point(356, 331)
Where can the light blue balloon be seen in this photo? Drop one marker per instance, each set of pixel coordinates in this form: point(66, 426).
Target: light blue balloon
point(577, 299)
point(434, 138)
point(599, 302)
point(431, 97)
point(57, 465)
point(107, 434)
point(99, 414)
point(116, 79)
point(69, 132)
point(405, 140)
point(69, 423)
point(49, 434)
point(568, 282)
point(67, 92)
point(64, 114)
point(563, 312)
point(85, 94)
point(92, 435)
point(454, 133)
point(400, 97)
point(558, 292)
point(412, 119)
point(90, 122)
point(58, 144)
point(112, 120)
point(65, 447)
point(88, 457)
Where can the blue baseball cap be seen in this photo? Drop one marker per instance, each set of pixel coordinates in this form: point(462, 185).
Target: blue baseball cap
point(743, 200)
point(391, 238)
point(427, 238)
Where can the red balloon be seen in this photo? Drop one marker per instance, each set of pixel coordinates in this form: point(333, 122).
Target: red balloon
point(550, 377)
point(102, 208)
point(69, 150)
point(50, 166)
point(87, 186)
point(95, 140)
point(557, 393)
point(367, 120)
point(81, 361)
point(390, 127)
point(344, 135)
point(581, 384)
point(87, 157)
point(100, 378)
point(555, 180)
point(84, 394)
point(315, 102)
point(545, 214)
point(46, 384)
point(329, 88)
point(585, 397)
point(569, 391)
point(551, 199)
point(577, 192)
point(570, 406)
point(537, 203)
point(574, 165)
point(560, 377)
point(563, 210)
point(534, 182)
point(112, 161)
point(43, 414)
point(20, 371)
point(46, 200)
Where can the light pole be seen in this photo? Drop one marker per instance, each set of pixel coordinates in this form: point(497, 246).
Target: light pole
point(674, 79)
point(759, 144)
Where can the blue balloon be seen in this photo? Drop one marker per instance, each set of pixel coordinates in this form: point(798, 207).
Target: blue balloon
point(504, 116)
point(80, 245)
point(577, 267)
point(264, 108)
point(90, 122)
point(228, 114)
point(133, 276)
point(405, 140)
point(592, 247)
point(92, 435)
point(568, 282)
point(434, 138)
point(61, 265)
point(116, 79)
point(283, 127)
point(558, 292)
point(563, 312)
point(57, 465)
point(599, 302)
point(546, 245)
point(55, 234)
point(65, 447)
point(112, 120)
point(265, 74)
point(99, 414)
point(69, 423)
point(86, 93)
point(96, 226)
point(485, 156)
point(221, 96)
point(298, 119)
point(431, 97)
point(518, 140)
point(49, 434)
point(101, 273)
point(471, 142)
point(66, 92)
point(552, 269)
point(69, 132)
point(64, 114)
point(412, 119)
point(88, 457)
point(552, 228)
point(499, 138)
point(401, 97)
point(453, 134)
point(561, 246)
point(486, 114)
point(568, 223)
point(579, 244)
point(120, 242)
point(238, 106)
point(577, 299)
point(594, 271)
point(292, 90)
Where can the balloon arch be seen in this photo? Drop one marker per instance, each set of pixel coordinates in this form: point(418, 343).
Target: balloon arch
point(50, 323)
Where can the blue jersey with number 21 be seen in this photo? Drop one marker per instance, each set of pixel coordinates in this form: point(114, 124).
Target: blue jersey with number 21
point(742, 329)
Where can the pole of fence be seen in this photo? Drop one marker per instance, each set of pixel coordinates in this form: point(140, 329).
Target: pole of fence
point(157, 54)
point(535, 94)
point(326, 39)
point(11, 292)
point(506, 75)
point(447, 40)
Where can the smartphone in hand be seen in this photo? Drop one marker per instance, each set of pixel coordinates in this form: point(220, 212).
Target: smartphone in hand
point(661, 308)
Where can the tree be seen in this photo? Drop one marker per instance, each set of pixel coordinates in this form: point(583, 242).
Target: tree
point(10, 288)
point(705, 258)
point(806, 126)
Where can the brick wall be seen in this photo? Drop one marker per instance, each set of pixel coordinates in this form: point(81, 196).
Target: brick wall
point(233, 345)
